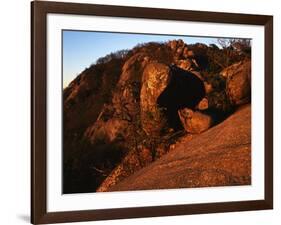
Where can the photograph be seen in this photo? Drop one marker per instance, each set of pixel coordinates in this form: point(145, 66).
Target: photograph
point(141, 112)
point(154, 111)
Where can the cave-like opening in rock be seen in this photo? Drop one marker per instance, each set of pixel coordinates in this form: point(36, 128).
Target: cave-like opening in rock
point(185, 90)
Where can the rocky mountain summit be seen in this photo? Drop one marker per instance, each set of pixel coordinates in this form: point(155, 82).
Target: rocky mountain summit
point(161, 115)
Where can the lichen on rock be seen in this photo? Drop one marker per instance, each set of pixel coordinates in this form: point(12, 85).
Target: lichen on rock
point(155, 79)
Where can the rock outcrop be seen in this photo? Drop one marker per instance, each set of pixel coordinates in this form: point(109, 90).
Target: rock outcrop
point(135, 110)
point(158, 78)
point(219, 157)
point(155, 80)
point(185, 90)
point(125, 105)
point(238, 82)
point(194, 122)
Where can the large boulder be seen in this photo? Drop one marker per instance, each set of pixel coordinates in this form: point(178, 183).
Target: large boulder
point(155, 79)
point(238, 82)
point(194, 122)
point(126, 96)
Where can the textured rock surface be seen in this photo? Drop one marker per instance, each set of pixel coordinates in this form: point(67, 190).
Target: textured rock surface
point(121, 114)
point(155, 79)
point(125, 97)
point(186, 64)
point(238, 82)
point(194, 122)
point(203, 104)
point(220, 156)
point(134, 161)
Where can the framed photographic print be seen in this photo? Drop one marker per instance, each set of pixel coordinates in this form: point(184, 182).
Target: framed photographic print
point(143, 112)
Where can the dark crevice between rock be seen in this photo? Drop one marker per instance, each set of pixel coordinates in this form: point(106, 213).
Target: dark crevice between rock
point(185, 90)
point(217, 115)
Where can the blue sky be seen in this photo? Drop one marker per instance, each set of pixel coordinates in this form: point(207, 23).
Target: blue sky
point(83, 48)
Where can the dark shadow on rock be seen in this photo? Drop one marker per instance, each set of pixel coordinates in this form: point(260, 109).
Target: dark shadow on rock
point(185, 90)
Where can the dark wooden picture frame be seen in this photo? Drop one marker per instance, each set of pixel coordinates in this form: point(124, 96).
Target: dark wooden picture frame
point(40, 9)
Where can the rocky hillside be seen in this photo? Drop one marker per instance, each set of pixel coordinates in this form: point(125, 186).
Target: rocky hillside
point(132, 110)
point(199, 162)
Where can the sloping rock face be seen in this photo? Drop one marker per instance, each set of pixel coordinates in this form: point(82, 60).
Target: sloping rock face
point(83, 100)
point(219, 157)
point(85, 96)
point(134, 161)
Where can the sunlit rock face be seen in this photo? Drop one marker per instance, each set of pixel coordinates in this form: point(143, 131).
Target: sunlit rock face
point(155, 79)
point(157, 104)
point(221, 156)
point(194, 122)
point(238, 82)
